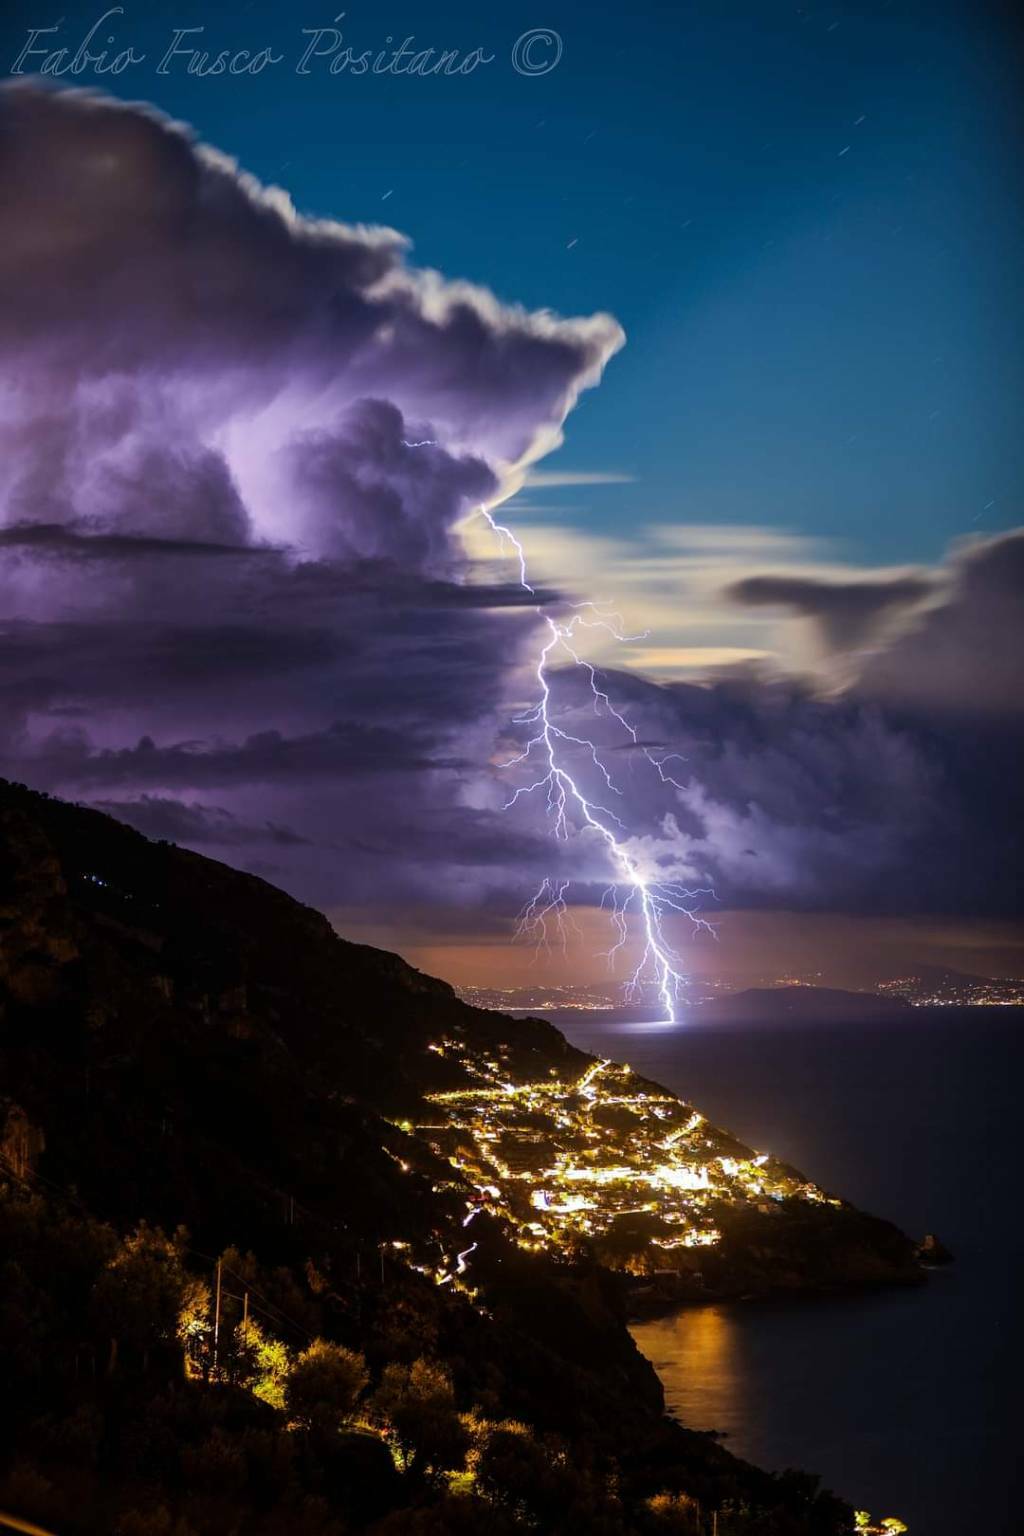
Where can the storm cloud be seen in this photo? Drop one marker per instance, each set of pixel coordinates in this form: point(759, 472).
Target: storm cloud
point(962, 655)
point(903, 792)
point(847, 614)
point(237, 447)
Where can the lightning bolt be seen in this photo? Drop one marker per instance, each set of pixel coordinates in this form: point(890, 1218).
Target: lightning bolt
point(633, 890)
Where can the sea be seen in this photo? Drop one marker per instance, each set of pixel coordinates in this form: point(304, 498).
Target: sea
point(906, 1402)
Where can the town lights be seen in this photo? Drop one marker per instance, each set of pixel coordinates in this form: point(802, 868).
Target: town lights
point(558, 1159)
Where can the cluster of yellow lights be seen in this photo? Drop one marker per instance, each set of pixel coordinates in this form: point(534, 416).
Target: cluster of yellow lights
point(563, 1159)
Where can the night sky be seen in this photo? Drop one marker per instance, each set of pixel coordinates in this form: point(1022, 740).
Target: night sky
point(249, 603)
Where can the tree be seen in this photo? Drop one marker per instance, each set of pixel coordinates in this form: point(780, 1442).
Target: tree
point(517, 1473)
point(195, 1328)
point(138, 1296)
point(416, 1406)
point(675, 1512)
point(324, 1384)
point(266, 1364)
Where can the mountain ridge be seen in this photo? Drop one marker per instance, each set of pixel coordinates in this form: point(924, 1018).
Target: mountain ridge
point(776, 1003)
point(183, 1045)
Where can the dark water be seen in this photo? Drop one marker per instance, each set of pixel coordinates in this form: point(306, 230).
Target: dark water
point(907, 1403)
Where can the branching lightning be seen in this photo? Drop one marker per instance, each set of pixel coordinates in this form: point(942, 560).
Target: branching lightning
point(632, 891)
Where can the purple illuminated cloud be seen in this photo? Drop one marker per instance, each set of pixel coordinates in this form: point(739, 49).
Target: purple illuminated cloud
point(235, 449)
point(236, 446)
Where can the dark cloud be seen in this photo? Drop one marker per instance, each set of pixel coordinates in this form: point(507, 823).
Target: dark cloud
point(68, 757)
point(367, 492)
point(90, 661)
point(71, 541)
point(176, 821)
point(797, 802)
point(963, 655)
point(903, 793)
point(847, 614)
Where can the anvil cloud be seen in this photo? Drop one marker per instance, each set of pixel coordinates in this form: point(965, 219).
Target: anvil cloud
point(236, 448)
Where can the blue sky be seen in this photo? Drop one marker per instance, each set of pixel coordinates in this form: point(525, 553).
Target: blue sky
point(803, 217)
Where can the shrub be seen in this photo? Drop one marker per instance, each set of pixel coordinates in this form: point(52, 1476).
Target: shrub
point(324, 1384)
